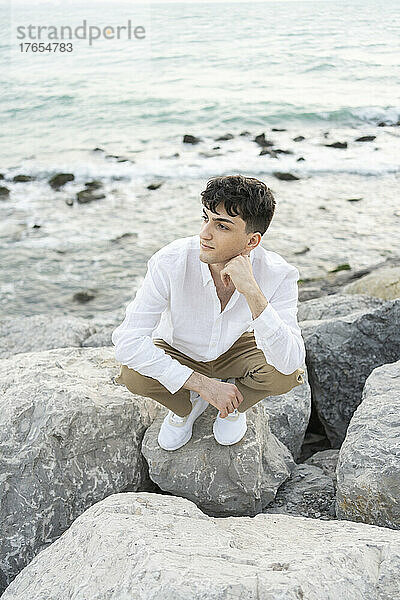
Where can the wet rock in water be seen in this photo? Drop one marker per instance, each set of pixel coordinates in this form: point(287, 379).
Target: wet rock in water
point(98, 150)
point(270, 153)
point(365, 138)
point(337, 145)
point(303, 250)
point(83, 297)
point(136, 544)
point(4, 191)
point(277, 129)
point(170, 155)
point(262, 141)
point(60, 179)
point(368, 469)
point(299, 138)
point(69, 437)
point(1, 176)
point(279, 151)
point(354, 199)
point(216, 147)
point(95, 184)
point(23, 178)
point(285, 176)
point(341, 353)
point(300, 159)
point(87, 195)
point(245, 133)
point(222, 480)
point(191, 139)
point(309, 492)
point(155, 186)
point(223, 138)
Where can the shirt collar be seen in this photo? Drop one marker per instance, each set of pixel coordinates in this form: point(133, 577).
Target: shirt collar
point(207, 277)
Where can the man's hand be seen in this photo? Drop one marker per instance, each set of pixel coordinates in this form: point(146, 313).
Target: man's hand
point(224, 396)
point(239, 270)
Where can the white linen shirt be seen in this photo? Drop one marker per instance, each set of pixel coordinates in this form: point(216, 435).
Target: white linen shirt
point(178, 302)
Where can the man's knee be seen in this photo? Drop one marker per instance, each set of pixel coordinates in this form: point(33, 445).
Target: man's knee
point(135, 382)
point(273, 381)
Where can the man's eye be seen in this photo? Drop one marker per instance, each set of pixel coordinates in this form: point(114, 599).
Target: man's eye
point(219, 224)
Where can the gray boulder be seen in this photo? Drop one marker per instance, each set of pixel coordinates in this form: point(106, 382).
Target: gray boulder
point(69, 437)
point(368, 469)
point(222, 480)
point(47, 331)
point(309, 492)
point(327, 461)
point(341, 354)
point(289, 415)
point(335, 305)
point(144, 546)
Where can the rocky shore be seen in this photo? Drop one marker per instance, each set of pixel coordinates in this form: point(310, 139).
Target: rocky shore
point(307, 505)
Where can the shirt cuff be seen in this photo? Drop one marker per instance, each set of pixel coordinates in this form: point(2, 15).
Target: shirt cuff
point(174, 377)
point(267, 323)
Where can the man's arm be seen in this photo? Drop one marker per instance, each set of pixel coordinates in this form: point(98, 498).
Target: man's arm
point(134, 346)
point(276, 329)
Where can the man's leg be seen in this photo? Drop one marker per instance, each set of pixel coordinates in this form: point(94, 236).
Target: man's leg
point(254, 377)
point(142, 385)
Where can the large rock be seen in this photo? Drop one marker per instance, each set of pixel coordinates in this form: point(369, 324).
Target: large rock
point(325, 460)
point(340, 355)
point(69, 437)
point(368, 469)
point(335, 305)
point(47, 331)
point(308, 492)
point(222, 480)
point(289, 415)
point(142, 546)
point(382, 283)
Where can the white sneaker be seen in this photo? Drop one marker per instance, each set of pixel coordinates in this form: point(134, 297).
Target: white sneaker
point(232, 428)
point(176, 431)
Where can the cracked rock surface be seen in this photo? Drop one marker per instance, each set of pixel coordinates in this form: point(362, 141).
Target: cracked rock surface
point(146, 546)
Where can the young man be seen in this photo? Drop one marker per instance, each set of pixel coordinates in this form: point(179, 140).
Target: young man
point(215, 320)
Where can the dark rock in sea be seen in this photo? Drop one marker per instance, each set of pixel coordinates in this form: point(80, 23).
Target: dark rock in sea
point(366, 138)
point(261, 141)
point(279, 151)
point(23, 178)
point(353, 199)
point(155, 186)
point(223, 138)
point(299, 138)
point(277, 129)
point(191, 139)
point(300, 159)
point(1, 176)
point(69, 202)
point(326, 133)
point(209, 154)
point(98, 150)
point(302, 251)
point(245, 133)
point(382, 124)
point(85, 196)
point(60, 179)
point(270, 153)
point(83, 297)
point(216, 147)
point(170, 155)
point(4, 192)
point(337, 145)
point(95, 184)
point(285, 176)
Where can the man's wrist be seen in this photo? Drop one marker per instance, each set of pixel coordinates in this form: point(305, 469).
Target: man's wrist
point(256, 300)
point(195, 382)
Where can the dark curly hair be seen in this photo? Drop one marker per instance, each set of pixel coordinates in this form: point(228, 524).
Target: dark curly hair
point(247, 197)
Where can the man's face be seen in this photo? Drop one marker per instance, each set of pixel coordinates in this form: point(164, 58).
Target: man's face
point(225, 234)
